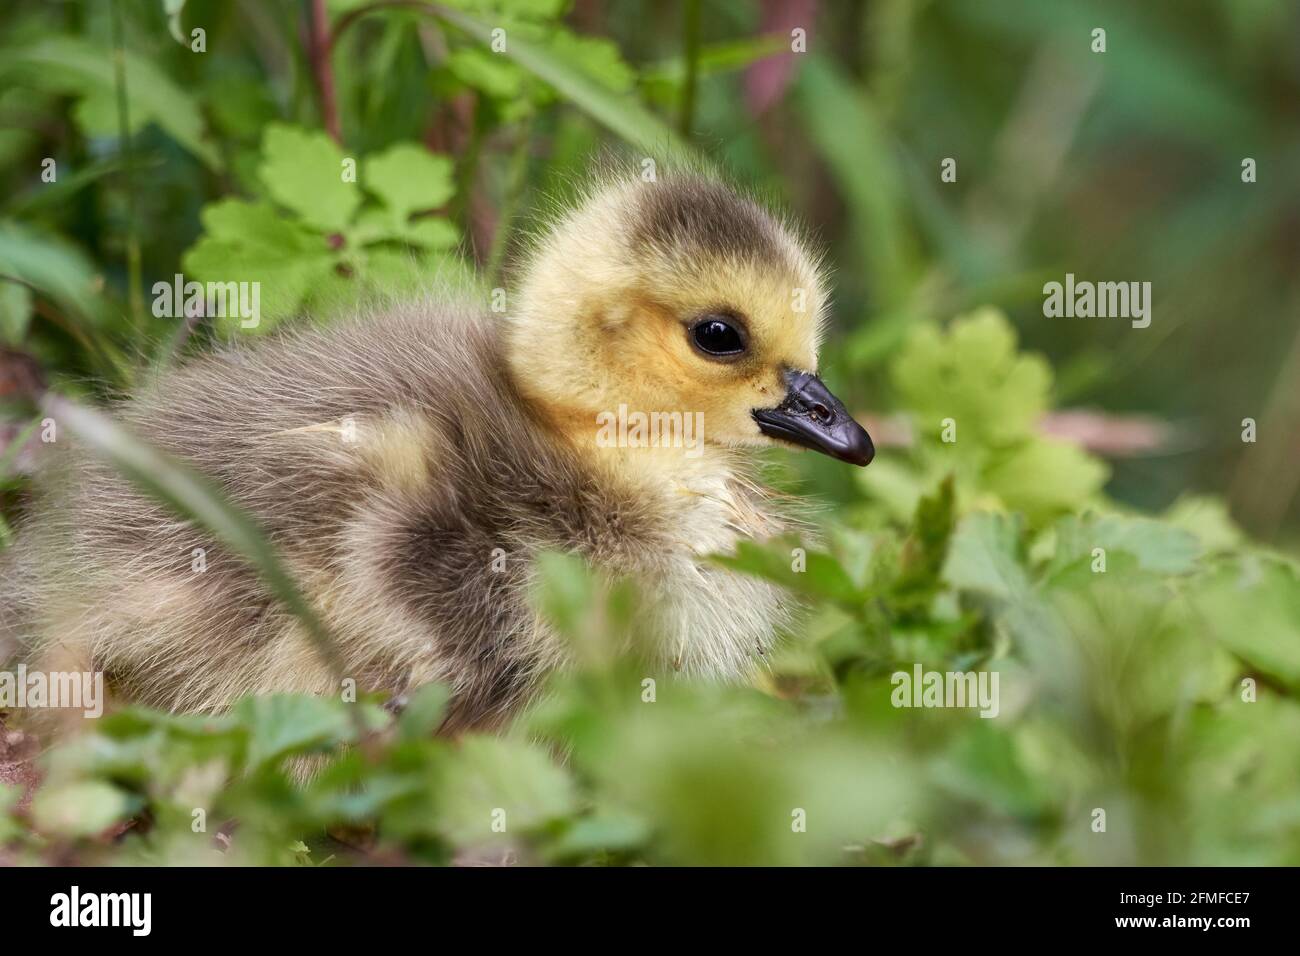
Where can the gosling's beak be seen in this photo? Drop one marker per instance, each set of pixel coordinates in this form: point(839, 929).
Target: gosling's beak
point(814, 418)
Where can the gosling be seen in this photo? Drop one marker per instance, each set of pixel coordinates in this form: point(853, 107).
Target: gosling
point(412, 463)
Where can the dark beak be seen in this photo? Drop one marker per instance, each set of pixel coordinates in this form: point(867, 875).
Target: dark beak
point(810, 416)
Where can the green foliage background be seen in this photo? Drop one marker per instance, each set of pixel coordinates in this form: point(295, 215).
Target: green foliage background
point(1121, 689)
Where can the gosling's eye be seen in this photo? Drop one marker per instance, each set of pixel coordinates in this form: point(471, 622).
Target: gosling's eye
point(718, 336)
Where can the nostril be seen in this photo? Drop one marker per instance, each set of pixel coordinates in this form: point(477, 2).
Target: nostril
point(821, 413)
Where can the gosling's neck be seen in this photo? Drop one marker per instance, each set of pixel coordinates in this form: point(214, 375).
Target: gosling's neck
point(702, 488)
point(664, 448)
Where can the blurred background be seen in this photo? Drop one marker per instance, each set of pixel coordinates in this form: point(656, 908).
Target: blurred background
point(1156, 142)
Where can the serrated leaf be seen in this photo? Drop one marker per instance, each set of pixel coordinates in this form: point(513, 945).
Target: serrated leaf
point(822, 576)
point(487, 775)
point(251, 242)
point(303, 171)
point(984, 556)
point(1043, 477)
point(1251, 606)
point(972, 374)
point(408, 178)
point(1159, 547)
point(283, 724)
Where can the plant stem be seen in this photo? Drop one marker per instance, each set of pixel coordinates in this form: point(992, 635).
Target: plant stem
point(462, 206)
point(691, 33)
point(135, 282)
point(319, 45)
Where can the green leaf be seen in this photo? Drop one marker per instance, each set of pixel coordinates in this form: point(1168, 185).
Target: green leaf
point(1159, 547)
point(984, 556)
point(618, 113)
point(303, 171)
point(1208, 519)
point(408, 178)
point(425, 708)
point(73, 66)
point(53, 266)
point(984, 766)
point(15, 312)
point(251, 242)
point(894, 484)
point(283, 724)
point(488, 775)
point(1251, 605)
point(597, 57)
point(84, 808)
point(973, 375)
point(926, 548)
point(487, 72)
point(822, 576)
point(431, 233)
point(600, 833)
point(1043, 477)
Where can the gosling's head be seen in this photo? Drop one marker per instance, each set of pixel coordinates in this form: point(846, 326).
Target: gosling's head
point(679, 295)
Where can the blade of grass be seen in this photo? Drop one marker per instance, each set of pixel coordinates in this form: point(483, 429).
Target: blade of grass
point(52, 195)
point(135, 292)
point(724, 56)
point(620, 114)
point(75, 67)
point(53, 267)
point(860, 153)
